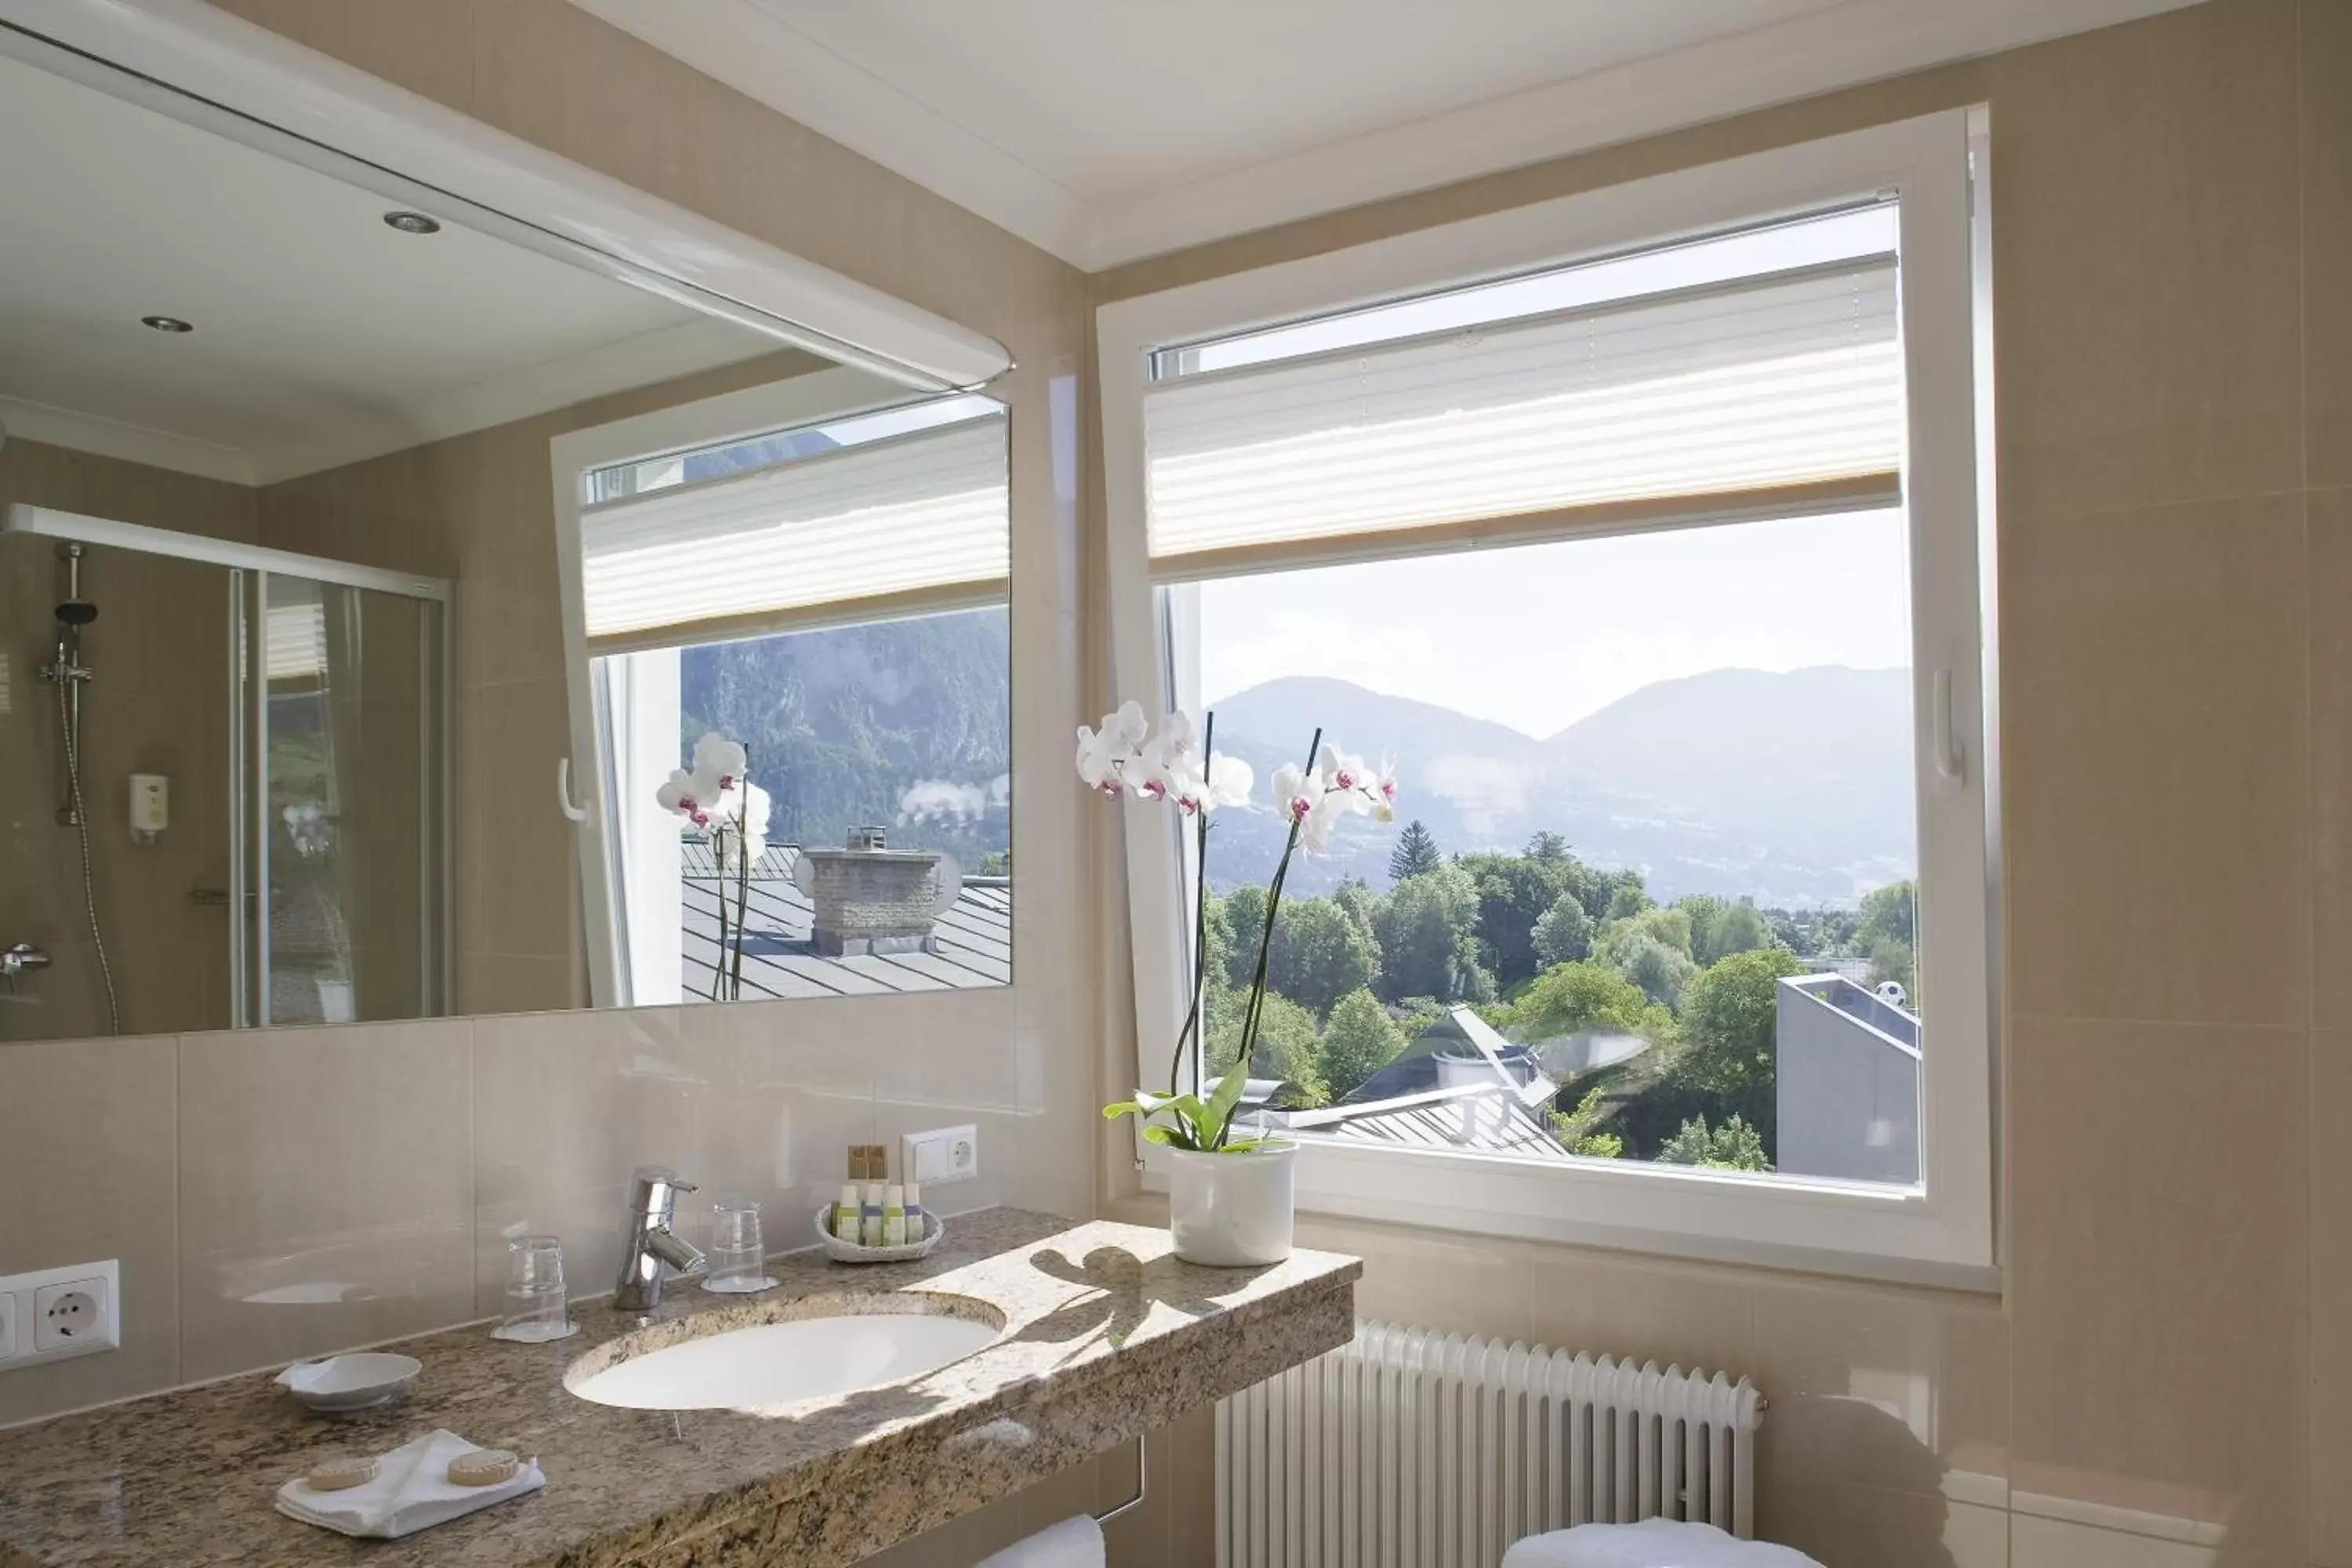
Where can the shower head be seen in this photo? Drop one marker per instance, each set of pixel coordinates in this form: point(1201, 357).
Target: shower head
point(76, 613)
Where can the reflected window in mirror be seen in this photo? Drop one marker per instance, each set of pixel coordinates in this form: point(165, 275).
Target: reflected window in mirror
point(830, 598)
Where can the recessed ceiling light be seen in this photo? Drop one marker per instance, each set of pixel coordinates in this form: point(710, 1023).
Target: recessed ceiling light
point(413, 223)
point(166, 323)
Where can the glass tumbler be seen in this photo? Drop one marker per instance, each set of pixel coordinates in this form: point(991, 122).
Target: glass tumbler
point(738, 1257)
point(536, 1310)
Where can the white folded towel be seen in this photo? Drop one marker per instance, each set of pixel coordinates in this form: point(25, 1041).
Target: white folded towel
point(1653, 1543)
point(1073, 1543)
point(411, 1491)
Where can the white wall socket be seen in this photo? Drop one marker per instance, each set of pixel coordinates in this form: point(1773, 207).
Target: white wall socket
point(51, 1314)
point(942, 1155)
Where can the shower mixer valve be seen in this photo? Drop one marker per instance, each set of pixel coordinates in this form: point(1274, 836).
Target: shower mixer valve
point(20, 958)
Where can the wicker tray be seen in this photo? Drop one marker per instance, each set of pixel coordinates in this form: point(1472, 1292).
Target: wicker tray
point(842, 1251)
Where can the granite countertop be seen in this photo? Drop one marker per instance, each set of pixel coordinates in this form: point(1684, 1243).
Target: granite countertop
point(1105, 1335)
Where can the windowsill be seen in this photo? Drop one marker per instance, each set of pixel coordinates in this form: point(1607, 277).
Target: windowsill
point(1468, 1203)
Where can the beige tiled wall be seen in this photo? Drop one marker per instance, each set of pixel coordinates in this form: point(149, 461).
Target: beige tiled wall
point(280, 1192)
point(2172, 229)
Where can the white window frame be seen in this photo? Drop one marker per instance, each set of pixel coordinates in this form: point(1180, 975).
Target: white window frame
point(1941, 1231)
point(826, 394)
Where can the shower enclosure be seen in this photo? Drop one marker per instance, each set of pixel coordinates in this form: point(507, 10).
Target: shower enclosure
point(224, 784)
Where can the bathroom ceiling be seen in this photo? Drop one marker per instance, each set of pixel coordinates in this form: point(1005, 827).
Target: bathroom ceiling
point(321, 336)
point(1108, 130)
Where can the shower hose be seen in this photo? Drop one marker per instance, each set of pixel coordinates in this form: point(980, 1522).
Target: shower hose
point(66, 729)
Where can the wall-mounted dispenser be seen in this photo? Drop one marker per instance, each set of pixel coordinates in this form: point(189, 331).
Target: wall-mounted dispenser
point(151, 807)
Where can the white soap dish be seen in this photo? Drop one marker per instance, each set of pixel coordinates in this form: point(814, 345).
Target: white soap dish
point(342, 1383)
point(842, 1251)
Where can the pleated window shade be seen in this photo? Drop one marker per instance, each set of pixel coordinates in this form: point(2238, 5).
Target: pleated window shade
point(904, 526)
point(1768, 382)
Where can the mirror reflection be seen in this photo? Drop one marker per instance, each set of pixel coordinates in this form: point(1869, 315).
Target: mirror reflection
point(370, 585)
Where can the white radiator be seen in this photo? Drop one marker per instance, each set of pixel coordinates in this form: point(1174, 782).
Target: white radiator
point(1406, 1448)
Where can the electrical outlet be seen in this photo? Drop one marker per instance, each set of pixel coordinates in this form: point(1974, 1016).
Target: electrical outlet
point(59, 1312)
point(941, 1155)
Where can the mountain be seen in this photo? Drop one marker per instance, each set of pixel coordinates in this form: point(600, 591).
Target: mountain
point(1792, 787)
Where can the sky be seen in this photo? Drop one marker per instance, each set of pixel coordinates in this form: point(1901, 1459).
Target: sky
point(1540, 635)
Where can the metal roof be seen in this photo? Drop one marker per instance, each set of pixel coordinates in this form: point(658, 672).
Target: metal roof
point(1486, 1118)
point(974, 938)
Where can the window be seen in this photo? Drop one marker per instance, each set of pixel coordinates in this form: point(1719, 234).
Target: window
point(1653, 557)
point(830, 593)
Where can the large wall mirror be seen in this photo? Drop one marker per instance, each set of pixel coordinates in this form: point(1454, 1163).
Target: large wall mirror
point(408, 608)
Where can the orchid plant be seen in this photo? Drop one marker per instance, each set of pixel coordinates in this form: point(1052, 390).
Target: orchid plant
point(717, 796)
point(1179, 767)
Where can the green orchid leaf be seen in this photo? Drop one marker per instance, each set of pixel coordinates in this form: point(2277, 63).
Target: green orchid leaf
point(1164, 1136)
point(1221, 1104)
point(1241, 1146)
point(1124, 1108)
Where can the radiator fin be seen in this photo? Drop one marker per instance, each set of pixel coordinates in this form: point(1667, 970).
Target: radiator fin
point(1406, 1448)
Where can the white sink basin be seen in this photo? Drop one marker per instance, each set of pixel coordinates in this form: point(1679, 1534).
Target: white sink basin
point(767, 1365)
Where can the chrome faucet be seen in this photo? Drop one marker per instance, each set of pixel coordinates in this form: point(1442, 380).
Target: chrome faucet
point(650, 1246)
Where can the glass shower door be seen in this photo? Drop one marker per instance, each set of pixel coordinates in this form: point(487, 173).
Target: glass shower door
point(345, 688)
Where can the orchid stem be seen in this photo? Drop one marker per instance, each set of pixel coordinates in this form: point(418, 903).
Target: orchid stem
point(1193, 1029)
point(1273, 908)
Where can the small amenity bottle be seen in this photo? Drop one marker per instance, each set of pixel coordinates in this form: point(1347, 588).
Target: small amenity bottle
point(894, 1217)
point(915, 1225)
point(848, 1220)
point(870, 1233)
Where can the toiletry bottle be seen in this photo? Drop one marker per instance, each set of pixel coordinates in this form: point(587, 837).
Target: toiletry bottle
point(848, 1218)
point(870, 1234)
point(894, 1217)
point(915, 1222)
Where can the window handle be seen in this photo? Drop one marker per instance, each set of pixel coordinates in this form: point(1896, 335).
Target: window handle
point(1949, 759)
point(564, 800)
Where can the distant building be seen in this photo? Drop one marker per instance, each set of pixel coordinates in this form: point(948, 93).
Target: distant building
point(1848, 1081)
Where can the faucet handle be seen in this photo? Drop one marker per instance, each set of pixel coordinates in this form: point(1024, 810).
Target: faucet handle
point(653, 1189)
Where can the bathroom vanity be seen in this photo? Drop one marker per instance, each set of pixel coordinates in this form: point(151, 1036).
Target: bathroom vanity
point(1105, 1336)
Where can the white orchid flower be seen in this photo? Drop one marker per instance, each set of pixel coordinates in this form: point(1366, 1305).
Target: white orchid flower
point(1229, 783)
point(1323, 819)
point(1295, 792)
point(1102, 759)
point(1105, 755)
point(1382, 789)
point(685, 795)
point(1343, 770)
point(718, 758)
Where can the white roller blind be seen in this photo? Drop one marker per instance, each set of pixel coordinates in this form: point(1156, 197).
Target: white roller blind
point(919, 517)
point(1774, 381)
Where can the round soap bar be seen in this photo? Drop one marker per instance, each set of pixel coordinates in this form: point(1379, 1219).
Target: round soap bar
point(483, 1467)
point(340, 1475)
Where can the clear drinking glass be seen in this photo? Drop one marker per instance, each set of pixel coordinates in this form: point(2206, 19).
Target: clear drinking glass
point(738, 1257)
point(536, 1310)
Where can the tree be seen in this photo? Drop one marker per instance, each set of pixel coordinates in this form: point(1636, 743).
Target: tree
point(1650, 949)
point(1359, 1040)
point(1729, 1019)
point(1319, 954)
point(1426, 927)
point(1719, 929)
point(1547, 847)
point(1888, 914)
point(1355, 896)
point(1562, 933)
point(1572, 998)
point(1245, 912)
point(1415, 854)
point(1574, 1129)
point(1514, 891)
point(1734, 1146)
point(1625, 897)
point(1287, 1048)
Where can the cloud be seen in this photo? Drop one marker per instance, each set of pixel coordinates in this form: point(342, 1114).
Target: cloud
point(943, 799)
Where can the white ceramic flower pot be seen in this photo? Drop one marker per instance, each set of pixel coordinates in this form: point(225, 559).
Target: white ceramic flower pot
point(1231, 1211)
